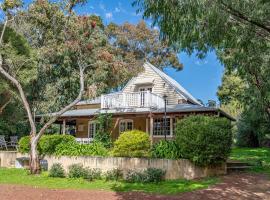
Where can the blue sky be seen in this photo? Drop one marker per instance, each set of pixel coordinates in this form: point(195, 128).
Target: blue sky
point(200, 77)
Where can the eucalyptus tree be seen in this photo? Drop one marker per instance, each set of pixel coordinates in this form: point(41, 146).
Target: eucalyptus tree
point(239, 31)
point(65, 44)
point(137, 43)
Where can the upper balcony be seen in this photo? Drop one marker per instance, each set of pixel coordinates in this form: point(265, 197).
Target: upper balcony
point(144, 99)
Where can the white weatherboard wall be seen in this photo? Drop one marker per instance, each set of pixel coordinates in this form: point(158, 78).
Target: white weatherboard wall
point(160, 87)
point(175, 169)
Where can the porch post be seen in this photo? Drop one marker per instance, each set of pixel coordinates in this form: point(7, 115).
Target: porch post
point(151, 128)
point(147, 126)
point(64, 127)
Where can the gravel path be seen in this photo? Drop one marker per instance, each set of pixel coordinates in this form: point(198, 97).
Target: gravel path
point(241, 186)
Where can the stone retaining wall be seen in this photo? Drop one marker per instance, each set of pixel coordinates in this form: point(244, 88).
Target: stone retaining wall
point(175, 169)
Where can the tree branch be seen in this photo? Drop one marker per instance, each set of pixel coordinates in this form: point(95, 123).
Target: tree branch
point(2, 34)
point(21, 92)
point(243, 17)
point(5, 105)
point(69, 106)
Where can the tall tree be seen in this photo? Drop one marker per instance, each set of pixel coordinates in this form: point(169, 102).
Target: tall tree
point(65, 38)
point(138, 43)
point(239, 31)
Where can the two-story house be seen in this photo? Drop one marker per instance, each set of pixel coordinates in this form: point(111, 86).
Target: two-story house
point(140, 105)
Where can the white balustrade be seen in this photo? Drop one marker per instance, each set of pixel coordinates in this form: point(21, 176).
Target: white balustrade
point(132, 99)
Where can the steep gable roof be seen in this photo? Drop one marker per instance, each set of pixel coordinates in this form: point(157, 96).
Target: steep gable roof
point(174, 84)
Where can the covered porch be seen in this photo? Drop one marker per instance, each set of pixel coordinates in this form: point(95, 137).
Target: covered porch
point(158, 123)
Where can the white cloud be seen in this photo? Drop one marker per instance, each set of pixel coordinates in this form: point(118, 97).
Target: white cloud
point(116, 9)
point(102, 6)
point(155, 28)
point(109, 15)
point(201, 62)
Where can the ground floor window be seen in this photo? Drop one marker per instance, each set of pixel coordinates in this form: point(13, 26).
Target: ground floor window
point(162, 126)
point(92, 129)
point(125, 125)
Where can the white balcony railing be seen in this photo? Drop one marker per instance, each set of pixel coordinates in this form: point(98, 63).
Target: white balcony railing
point(132, 100)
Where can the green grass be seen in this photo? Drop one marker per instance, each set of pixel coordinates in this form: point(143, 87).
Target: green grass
point(258, 157)
point(20, 176)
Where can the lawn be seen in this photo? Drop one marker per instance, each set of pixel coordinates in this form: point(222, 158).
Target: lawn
point(259, 157)
point(20, 176)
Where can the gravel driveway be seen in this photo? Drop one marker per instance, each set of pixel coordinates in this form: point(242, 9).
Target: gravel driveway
point(241, 186)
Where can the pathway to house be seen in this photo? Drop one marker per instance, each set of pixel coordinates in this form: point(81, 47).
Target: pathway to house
point(233, 187)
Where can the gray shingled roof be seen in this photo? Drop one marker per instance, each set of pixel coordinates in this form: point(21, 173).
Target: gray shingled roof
point(179, 108)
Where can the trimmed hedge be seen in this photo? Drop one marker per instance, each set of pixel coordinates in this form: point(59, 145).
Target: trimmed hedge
point(204, 140)
point(132, 144)
point(76, 149)
point(47, 144)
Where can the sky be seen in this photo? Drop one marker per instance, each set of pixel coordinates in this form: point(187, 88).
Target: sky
point(200, 77)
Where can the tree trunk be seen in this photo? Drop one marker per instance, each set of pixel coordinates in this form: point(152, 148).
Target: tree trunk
point(34, 157)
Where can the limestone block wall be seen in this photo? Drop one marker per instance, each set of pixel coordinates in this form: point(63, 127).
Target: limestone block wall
point(175, 169)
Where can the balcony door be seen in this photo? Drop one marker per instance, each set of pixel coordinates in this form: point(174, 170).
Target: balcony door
point(143, 91)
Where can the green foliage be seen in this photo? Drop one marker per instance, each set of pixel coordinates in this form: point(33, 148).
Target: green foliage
point(57, 170)
point(49, 143)
point(204, 140)
point(166, 149)
point(76, 149)
point(113, 175)
point(147, 176)
point(104, 122)
point(132, 144)
point(76, 171)
point(24, 144)
point(248, 134)
point(144, 44)
point(259, 158)
point(238, 31)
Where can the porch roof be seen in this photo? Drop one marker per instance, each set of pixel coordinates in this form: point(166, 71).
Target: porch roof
point(179, 108)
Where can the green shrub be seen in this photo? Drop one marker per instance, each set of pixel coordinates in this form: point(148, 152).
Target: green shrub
point(132, 144)
point(24, 144)
point(204, 140)
point(149, 175)
point(76, 149)
point(49, 143)
point(113, 175)
point(154, 175)
point(92, 174)
point(165, 149)
point(76, 171)
point(57, 170)
point(135, 177)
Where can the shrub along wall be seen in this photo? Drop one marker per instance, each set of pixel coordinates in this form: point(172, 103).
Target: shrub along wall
point(175, 169)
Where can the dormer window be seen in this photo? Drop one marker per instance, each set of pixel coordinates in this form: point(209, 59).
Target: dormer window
point(182, 101)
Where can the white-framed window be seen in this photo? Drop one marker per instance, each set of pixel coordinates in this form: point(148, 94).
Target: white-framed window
point(143, 91)
point(93, 127)
point(125, 125)
point(162, 126)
